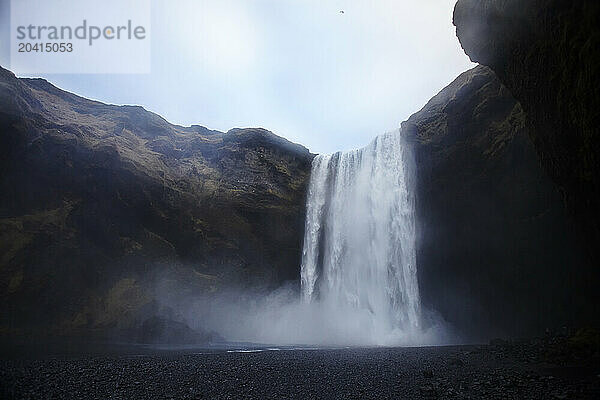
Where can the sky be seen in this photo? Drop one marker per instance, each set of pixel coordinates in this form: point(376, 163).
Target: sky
point(300, 68)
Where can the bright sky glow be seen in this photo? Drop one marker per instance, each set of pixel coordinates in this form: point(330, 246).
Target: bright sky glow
point(300, 68)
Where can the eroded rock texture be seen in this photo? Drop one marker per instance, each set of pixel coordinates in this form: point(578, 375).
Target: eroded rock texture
point(497, 251)
point(100, 204)
point(547, 53)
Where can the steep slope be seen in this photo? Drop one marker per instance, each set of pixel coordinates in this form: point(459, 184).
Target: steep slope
point(547, 53)
point(101, 203)
point(105, 208)
point(496, 248)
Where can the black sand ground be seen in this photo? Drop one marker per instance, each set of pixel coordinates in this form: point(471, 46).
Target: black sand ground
point(463, 372)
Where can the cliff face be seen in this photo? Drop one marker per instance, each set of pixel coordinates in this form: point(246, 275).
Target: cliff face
point(547, 53)
point(100, 203)
point(103, 208)
point(496, 248)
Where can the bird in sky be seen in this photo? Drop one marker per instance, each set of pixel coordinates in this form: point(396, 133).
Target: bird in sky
point(341, 11)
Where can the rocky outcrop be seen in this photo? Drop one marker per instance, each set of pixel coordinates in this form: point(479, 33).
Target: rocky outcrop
point(100, 204)
point(547, 53)
point(497, 251)
point(104, 209)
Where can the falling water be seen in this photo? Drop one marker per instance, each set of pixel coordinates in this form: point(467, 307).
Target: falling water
point(359, 244)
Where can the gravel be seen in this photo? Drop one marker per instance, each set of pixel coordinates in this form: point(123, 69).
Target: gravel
point(461, 372)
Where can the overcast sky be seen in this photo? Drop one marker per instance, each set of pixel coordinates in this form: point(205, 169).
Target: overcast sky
point(300, 68)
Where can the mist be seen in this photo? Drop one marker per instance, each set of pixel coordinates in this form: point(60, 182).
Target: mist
point(358, 276)
point(280, 317)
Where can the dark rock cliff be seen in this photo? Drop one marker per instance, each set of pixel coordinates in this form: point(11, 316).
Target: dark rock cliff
point(103, 207)
point(547, 53)
point(497, 250)
point(101, 203)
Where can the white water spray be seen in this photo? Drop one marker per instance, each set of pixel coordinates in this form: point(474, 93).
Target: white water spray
point(358, 279)
point(359, 251)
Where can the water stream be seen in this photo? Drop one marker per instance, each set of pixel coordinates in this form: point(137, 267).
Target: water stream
point(359, 245)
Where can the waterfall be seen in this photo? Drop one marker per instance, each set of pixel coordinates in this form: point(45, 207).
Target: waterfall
point(359, 242)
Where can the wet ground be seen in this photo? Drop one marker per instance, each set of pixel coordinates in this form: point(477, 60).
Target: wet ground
point(500, 371)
